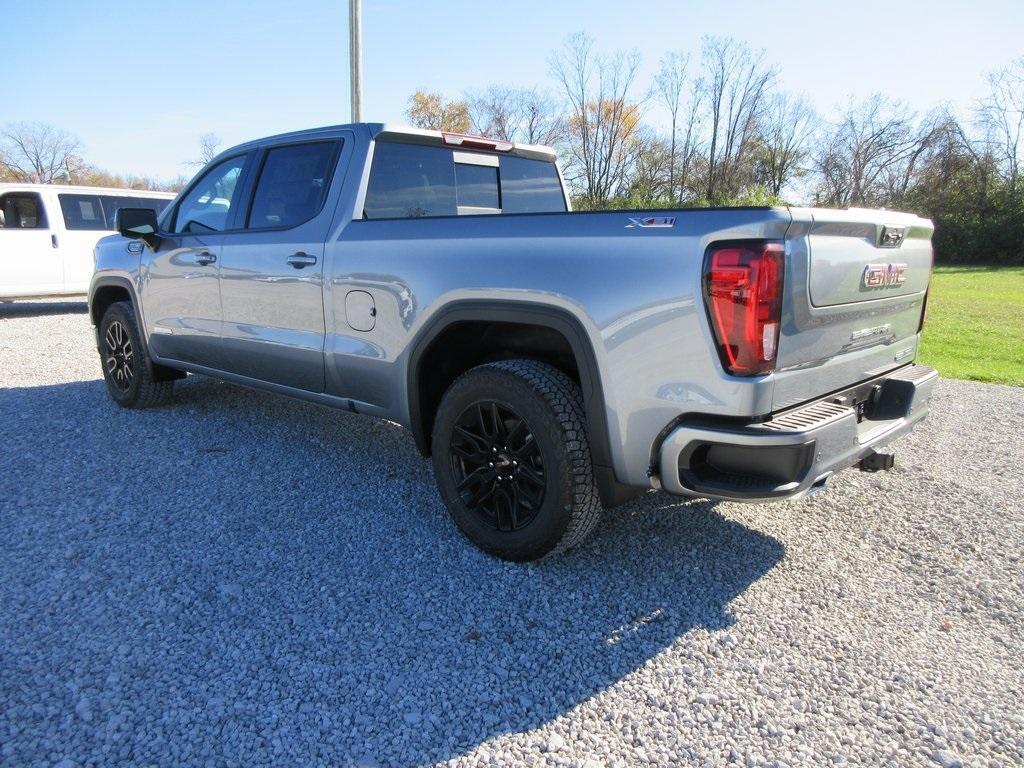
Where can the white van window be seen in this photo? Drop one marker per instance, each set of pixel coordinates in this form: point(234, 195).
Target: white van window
point(82, 212)
point(22, 210)
point(113, 203)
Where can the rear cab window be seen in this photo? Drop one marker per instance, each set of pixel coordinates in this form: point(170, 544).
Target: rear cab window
point(530, 186)
point(292, 184)
point(22, 210)
point(476, 183)
point(417, 180)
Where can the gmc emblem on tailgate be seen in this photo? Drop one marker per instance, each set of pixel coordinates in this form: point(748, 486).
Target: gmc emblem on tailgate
point(884, 275)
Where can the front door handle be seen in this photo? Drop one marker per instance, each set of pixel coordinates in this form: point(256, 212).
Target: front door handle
point(205, 258)
point(300, 260)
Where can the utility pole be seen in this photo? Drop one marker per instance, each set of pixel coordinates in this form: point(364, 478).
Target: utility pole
point(355, 51)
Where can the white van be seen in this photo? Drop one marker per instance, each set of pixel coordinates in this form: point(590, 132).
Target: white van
point(48, 232)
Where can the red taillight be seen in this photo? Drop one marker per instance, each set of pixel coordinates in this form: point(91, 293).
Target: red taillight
point(743, 291)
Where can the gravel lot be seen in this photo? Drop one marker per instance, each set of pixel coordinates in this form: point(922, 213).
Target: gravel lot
point(244, 580)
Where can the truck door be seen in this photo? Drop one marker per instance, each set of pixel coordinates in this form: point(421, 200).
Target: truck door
point(181, 290)
point(271, 271)
point(30, 263)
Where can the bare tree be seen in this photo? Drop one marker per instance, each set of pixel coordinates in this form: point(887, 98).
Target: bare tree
point(786, 129)
point(209, 144)
point(873, 141)
point(670, 84)
point(1002, 117)
point(603, 121)
point(38, 153)
point(736, 81)
point(649, 182)
point(517, 114)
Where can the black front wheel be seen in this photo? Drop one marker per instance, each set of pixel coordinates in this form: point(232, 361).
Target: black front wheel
point(127, 371)
point(512, 460)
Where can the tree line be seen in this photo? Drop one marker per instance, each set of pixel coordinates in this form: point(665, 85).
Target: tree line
point(37, 153)
point(734, 137)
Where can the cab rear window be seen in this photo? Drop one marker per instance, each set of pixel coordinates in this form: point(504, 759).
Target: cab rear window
point(477, 185)
point(530, 186)
point(416, 180)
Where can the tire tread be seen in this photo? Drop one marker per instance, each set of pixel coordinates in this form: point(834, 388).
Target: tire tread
point(149, 393)
point(565, 400)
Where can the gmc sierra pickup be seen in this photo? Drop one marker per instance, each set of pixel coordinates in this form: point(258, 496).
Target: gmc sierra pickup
point(551, 363)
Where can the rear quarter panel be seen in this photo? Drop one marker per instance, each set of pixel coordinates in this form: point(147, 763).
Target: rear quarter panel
point(636, 292)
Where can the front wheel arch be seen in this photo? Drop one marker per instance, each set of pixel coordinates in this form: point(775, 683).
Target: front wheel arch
point(107, 291)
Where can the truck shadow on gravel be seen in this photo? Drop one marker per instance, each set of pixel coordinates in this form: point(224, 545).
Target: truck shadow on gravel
point(43, 308)
point(247, 577)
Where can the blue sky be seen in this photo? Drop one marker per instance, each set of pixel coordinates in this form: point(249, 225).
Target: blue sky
point(139, 82)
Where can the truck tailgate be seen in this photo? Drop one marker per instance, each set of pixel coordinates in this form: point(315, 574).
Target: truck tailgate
point(855, 287)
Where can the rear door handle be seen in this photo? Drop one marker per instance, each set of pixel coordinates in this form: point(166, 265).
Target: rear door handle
point(205, 258)
point(300, 260)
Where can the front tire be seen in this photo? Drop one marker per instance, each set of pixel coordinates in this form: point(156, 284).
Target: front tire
point(127, 370)
point(512, 460)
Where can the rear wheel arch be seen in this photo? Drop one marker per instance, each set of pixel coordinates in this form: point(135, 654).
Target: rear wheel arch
point(435, 364)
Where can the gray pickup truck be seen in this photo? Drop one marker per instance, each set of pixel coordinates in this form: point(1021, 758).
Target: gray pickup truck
point(551, 363)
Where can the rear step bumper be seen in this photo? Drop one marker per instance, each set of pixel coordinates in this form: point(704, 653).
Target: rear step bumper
point(795, 452)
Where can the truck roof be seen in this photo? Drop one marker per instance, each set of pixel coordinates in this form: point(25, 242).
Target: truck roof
point(399, 132)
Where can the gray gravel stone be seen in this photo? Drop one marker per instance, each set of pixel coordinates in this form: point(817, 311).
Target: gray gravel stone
point(240, 579)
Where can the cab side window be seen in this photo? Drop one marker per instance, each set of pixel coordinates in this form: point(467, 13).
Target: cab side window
point(207, 206)
point(22, 210)
point(292, 184)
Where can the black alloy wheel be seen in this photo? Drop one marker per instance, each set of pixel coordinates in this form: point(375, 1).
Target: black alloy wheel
point(496, 465)
point(512, 459)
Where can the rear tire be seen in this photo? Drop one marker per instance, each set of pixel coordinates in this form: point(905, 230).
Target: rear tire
point(127, 369)
point(512, 460)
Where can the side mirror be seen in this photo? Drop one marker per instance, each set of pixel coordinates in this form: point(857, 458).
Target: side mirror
point(138, 224)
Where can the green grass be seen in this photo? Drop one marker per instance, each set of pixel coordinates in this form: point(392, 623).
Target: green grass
point(975, 325)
